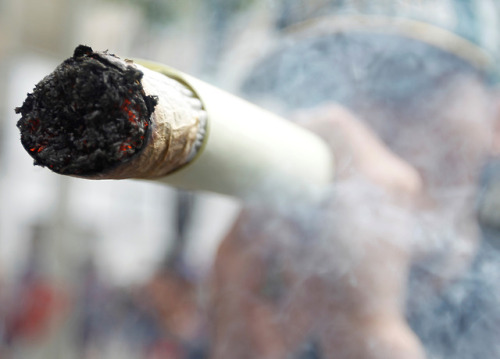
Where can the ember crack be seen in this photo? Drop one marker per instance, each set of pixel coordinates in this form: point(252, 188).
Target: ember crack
point(87, 117)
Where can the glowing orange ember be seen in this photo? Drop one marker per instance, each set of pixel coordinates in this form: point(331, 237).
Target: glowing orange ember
point(124, 147)
point(37, 149)
point(132, 113)
point(125, 107)
point(34, 124)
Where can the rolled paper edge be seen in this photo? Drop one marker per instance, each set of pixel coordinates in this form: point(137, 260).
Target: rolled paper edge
point(178, 128)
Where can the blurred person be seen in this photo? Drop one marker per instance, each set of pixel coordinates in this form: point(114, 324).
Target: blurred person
point(37, 305)
point(170, 300)
point(469, 305)
point(171, 297)
point(94, 319)
point(408, 110)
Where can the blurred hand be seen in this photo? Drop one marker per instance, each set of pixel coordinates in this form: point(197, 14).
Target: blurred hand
point(358, 152)
point(333, 276)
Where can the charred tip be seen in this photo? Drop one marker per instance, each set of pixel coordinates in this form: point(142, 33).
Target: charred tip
point(82, 50)
point(86, 117)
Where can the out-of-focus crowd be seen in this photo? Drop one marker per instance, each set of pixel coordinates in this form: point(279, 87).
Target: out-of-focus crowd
point(270, 289)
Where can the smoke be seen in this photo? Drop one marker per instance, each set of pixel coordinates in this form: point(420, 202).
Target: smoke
point(362, 253)
point(462, 320)
point(325, 272)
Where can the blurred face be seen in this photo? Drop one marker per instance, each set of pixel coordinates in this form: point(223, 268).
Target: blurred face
point(451, 145)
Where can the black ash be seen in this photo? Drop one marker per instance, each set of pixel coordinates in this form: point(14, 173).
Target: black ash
point(88, 116)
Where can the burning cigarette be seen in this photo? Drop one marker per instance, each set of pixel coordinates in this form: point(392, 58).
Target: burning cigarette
point(100, 117)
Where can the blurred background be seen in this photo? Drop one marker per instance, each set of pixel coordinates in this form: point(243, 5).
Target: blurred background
point(120, 269)
point(87, 269)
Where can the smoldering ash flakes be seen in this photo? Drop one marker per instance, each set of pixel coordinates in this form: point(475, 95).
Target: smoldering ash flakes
point(86, 117)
